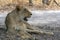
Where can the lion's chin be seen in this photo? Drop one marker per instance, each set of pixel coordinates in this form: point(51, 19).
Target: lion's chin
point(25, 19)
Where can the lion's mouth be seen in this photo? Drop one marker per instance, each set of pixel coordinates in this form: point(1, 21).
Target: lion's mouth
point(25, 18)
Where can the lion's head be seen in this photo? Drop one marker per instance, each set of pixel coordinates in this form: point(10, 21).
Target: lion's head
point(27, 14)
point(24, 12)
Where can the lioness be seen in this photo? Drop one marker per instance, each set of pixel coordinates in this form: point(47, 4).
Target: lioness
point(16, 21)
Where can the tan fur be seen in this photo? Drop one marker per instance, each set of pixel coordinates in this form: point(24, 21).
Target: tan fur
point(16, 21)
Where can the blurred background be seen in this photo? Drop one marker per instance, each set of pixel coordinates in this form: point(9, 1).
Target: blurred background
point(38, 4)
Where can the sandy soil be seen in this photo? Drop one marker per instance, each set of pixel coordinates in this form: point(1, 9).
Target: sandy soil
point(9, 36)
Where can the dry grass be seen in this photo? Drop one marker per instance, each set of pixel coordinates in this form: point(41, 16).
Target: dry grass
point(36, 4)
point(4, 2)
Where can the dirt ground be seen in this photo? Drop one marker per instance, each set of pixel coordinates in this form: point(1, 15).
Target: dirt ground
point(9, 36)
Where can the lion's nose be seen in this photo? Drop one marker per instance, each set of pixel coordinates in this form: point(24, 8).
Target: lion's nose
point(30, 14)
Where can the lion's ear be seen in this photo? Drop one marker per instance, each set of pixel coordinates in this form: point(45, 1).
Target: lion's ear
point(17, 8)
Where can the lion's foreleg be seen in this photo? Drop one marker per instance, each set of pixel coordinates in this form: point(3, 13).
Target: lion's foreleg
point(39, 31)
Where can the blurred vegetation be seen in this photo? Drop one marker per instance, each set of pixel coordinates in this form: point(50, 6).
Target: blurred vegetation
point(39, 4)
